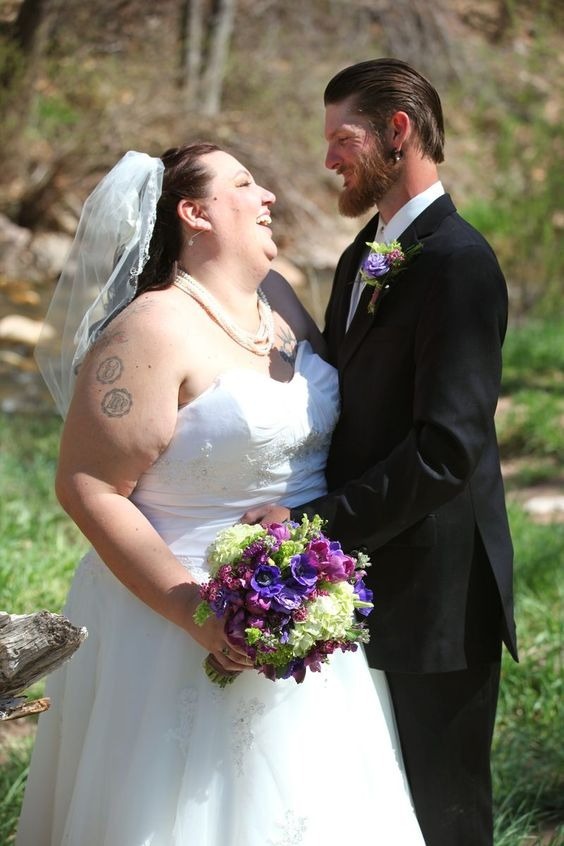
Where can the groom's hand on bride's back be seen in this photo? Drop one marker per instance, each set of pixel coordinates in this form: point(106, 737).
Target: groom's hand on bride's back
point(266, 514)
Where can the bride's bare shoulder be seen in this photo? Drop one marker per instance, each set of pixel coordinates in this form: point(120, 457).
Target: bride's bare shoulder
point(286, 303)
point(150, 316)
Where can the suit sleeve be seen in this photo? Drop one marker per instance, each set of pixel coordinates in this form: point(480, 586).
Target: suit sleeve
point(457, 380)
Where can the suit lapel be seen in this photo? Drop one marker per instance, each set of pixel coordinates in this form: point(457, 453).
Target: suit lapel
point(428, 221)
point(360, 324)
point(344, 282)
point(346, 343)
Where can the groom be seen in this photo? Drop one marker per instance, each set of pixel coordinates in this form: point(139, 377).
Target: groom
point(413, 470)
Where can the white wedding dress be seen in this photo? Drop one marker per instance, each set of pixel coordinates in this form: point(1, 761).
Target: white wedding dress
point(139, 748)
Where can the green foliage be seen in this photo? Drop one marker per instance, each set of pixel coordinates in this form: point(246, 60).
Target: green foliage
point(534, 349)
point(533, 376)
point(13, 773)
point(12, 82)
point(533, 424)
point(516, 111)
point(11, 66)
point(55, 113)
point(528, 753)
point(38, 540)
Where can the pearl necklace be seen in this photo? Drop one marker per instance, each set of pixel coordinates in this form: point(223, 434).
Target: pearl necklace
point(259, 344)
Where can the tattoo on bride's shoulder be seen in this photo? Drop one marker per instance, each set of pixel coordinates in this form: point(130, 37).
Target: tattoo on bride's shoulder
point(109, 370)
point(117, 402)
point(142, 304)
point(112, 336)
point(287, 345)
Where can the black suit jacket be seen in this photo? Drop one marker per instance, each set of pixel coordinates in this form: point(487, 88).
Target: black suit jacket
point(413, 470)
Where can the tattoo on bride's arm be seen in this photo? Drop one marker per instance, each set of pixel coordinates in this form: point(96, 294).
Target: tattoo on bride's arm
point(109, 370)
point(117, 402)
point(143, 304)
point(288, 344)
point(117, 336)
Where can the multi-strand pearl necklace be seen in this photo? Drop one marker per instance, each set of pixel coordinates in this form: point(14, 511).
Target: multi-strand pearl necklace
point(261, 343)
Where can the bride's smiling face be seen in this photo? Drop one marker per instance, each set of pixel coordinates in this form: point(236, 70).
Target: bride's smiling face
point(238, 208)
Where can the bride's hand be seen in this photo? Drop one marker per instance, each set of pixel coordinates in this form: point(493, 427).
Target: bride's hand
point(212, 637)
point(266, 514)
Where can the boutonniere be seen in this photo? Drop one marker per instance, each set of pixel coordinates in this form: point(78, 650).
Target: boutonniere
point(384, 261)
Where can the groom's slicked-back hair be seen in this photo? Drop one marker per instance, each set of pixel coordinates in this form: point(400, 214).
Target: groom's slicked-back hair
point(384, 86)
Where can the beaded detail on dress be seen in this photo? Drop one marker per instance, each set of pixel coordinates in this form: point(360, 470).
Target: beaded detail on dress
point(186, 710)
point(258, 469)
point(242, 730)
point(293, 830)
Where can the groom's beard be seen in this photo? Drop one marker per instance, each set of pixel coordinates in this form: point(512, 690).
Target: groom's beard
point(374, 173)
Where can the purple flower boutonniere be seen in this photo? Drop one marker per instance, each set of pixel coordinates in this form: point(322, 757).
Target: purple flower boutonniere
point(383, 262)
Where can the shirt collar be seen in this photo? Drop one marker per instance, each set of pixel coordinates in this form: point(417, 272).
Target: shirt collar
point(411, 210)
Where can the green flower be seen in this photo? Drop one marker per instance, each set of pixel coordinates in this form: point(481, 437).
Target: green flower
point(229, 544)
point(329, 617)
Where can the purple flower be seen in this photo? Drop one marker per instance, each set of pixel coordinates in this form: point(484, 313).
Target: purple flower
point(365, 595)
point(268, 671)
point(256, 604)
point(303, 571)
point(255, 622)
point(280, 531)
point(335, 566)
point(266, 580)
point(235, 628)
point(376, 265)
point(256, 554)
point(296, 669)
point(222, 600)
point(343, 566)
point(287, 600)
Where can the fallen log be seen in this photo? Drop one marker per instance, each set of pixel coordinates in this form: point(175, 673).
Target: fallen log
point(32, 646)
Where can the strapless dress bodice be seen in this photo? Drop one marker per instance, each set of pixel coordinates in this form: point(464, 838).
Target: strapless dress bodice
point(246, 440)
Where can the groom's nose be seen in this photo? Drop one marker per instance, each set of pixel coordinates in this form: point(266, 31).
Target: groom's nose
point(332, 160)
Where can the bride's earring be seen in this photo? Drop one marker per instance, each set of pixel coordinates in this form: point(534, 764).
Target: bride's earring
point(396, 155)
point(193, 237)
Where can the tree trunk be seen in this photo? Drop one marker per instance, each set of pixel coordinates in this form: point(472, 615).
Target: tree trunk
point(31, 646)
point(26, 41)
point(204, 37)
point(191, 39)
point(222, 27)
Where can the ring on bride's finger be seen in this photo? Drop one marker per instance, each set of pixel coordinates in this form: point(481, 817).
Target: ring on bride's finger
point(225, 650)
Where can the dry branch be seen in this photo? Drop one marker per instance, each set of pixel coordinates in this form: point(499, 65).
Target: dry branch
point(32, 646)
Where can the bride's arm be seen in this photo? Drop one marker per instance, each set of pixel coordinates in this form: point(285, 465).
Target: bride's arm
point(284, 300)
point(121, 418)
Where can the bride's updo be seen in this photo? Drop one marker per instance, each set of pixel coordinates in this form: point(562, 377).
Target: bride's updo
point(185, 176)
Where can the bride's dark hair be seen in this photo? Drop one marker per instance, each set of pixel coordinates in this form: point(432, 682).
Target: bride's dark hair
point(185, 176)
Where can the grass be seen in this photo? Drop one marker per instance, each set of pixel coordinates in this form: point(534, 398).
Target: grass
point(528, 753)
point(533, 379)
point(13, 773)
point(40, 548)
point(38, 540)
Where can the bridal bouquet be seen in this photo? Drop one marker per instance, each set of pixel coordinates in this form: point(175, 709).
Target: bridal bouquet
point(288, 595)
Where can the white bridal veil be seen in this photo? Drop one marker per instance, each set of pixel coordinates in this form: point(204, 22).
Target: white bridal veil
point(99, 278)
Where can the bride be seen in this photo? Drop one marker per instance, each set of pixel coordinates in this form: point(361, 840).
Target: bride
point(191, 394)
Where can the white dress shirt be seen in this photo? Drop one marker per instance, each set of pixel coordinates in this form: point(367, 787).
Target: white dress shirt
point(391, 230)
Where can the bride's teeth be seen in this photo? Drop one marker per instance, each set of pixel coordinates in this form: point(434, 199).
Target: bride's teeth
point(264, 220)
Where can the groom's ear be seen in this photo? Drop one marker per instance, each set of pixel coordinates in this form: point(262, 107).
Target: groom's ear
point(400, 128)
point(194, 214)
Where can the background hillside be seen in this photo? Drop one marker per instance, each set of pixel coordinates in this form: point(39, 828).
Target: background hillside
point(83, 83)
point(86, 82)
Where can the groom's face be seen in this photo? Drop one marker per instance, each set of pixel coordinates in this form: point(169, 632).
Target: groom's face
point(356, 153)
